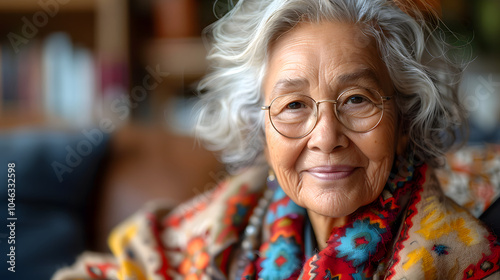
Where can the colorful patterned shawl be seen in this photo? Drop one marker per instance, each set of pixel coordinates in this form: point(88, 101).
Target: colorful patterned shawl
point(412, 231)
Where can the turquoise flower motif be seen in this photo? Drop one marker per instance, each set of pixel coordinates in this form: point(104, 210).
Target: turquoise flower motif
point(359, 242)
point(281, 259)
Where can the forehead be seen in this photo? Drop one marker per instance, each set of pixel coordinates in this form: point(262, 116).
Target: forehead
point(328, 35)
point(323, 52)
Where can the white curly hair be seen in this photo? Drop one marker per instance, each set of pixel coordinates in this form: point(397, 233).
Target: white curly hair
point(420, 64)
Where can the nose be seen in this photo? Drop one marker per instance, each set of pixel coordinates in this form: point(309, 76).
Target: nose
point(328, 134)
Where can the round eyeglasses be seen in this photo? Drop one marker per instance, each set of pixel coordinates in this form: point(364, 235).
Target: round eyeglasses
point(296, 115)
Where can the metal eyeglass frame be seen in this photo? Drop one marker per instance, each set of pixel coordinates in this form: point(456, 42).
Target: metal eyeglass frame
point(383, 98)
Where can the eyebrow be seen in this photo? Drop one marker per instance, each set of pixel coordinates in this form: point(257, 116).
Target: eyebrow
point(287, 84)
point(362, 74)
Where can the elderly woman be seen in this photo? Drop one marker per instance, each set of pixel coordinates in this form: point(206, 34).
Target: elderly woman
point(346, 106)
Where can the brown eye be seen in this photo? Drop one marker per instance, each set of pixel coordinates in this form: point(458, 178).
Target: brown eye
point(295, 105)
point(356, 99)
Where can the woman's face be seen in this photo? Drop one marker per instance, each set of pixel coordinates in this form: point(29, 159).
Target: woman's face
point(332, 171)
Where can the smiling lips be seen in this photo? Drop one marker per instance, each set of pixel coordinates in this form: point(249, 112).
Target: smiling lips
point(331, 172)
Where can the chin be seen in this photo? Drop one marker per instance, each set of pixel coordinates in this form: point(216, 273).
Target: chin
point(331, 208)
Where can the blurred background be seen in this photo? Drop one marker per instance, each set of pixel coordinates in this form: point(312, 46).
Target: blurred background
point(95, 111)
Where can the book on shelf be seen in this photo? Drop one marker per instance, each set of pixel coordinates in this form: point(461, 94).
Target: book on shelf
point(29, 79)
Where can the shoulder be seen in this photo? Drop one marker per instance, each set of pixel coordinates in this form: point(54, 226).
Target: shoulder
point(441, 238)
point(209, 211)
point(158, 239)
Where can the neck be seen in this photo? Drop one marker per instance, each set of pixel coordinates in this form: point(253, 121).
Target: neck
point(323, 226)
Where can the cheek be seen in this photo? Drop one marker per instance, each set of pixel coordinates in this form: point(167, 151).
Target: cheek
point(381, 142)
point(379, 147)
point(282, 155)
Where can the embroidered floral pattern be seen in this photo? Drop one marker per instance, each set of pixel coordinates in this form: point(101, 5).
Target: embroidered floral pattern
point(239, 208)
point(359, 242)
point(440, 249)
point(196, 259)
point(283, 254)
point(281, 259)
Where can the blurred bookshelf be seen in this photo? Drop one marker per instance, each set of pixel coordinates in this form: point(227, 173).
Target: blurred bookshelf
point(68, 63)
point(59, 59)
point(30, 5)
